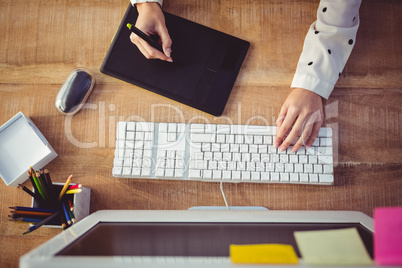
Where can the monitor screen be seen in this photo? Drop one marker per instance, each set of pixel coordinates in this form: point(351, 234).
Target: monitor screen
point(191, 239)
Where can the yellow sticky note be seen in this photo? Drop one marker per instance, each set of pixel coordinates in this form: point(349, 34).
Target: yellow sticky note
point(263, 253)
point(332, 247)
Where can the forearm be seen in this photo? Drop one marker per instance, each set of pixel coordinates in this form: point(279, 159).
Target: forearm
point(133, 2)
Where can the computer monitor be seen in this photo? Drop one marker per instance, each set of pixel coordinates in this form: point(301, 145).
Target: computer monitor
point(153, 238)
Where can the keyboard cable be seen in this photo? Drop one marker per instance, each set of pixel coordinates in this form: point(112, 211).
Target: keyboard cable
point(224, 197)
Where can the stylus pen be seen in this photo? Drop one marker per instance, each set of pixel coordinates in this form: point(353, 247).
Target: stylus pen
point(145, 37)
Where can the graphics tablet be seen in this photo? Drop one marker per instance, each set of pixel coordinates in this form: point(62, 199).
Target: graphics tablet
point(205, 64)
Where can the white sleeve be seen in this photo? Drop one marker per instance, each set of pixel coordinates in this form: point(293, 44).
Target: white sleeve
point(327, 46)
point(133, 2)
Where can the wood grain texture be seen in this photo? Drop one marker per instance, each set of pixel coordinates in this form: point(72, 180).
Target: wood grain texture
point(42, 41)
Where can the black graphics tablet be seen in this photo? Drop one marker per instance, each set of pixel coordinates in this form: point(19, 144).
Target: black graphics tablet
point(206, 63)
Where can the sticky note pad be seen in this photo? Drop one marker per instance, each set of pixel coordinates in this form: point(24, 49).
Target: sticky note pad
point(263, 253)
point(388, 236)
point(332, 247)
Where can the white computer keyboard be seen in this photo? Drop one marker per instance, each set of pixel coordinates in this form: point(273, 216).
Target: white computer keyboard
point(213, 152)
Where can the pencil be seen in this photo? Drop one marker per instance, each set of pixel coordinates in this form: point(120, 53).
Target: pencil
point(74, 191)
point(16, 215)
point(76, 186)
point(33, 183)
point(71, 214)
point(39, 224)
point(65, 187)
point(38, 186)
point(49, 182)
point(66, 213)
point(45, 182)
point(31, 220)
point(19, 212)
point(42, 184)
point(19, 208)
point(71, 205)
point(63, 220)
point(25, 189)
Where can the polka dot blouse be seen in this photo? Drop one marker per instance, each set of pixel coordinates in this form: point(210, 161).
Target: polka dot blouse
point(327, 46)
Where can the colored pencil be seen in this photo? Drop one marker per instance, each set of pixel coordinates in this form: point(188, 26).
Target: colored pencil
point(76, 186)
point(18, 208)
point(33, 183)
point(70, 204)
point(31, 220)
point(74, 191)
point(50, 183)
point(71, 214)
point(39, 224)
point(66, 213)
point(47, 175)
point(63, 219)
point(38, 186)
point(25, 189)
point(19, 212)
point(43, 184)
point(16, 215)
point(65, 187)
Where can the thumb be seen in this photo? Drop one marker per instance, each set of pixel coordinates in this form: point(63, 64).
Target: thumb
point(166, 41)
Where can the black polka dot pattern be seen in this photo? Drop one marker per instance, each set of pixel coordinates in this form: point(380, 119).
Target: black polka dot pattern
point(349, 41)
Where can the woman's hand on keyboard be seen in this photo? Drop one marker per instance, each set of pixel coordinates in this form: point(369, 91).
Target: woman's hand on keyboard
point(301, 114)
point(152, 22)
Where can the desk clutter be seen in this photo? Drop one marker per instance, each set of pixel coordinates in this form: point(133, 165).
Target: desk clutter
point(53, 204)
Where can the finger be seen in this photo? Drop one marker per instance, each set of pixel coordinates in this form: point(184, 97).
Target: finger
point(146, 49)
point(297, 129)
point(282, 115)
point(314, 134)
point(153, 52)
point(279, 121)
point(135, 40)
point(305, 134)
point(284, 128)
point(313, 121)
point(166, 41)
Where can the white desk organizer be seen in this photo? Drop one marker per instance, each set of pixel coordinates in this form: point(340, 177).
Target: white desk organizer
point(22, 145)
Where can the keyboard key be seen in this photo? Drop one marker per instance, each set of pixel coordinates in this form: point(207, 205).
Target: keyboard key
point(197, 138)
point(194, 174)
point(326, 178)
point(325, 132)
point(294, 177)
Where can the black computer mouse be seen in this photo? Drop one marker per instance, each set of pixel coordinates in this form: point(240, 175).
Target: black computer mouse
point(75, 91)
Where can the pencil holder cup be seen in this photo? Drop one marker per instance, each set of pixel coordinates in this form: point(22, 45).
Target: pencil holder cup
point(80, 201)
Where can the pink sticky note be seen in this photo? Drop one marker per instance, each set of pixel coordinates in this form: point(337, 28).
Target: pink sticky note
point(388, 235)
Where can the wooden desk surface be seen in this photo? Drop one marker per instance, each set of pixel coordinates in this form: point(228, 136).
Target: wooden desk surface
point(42, 41)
